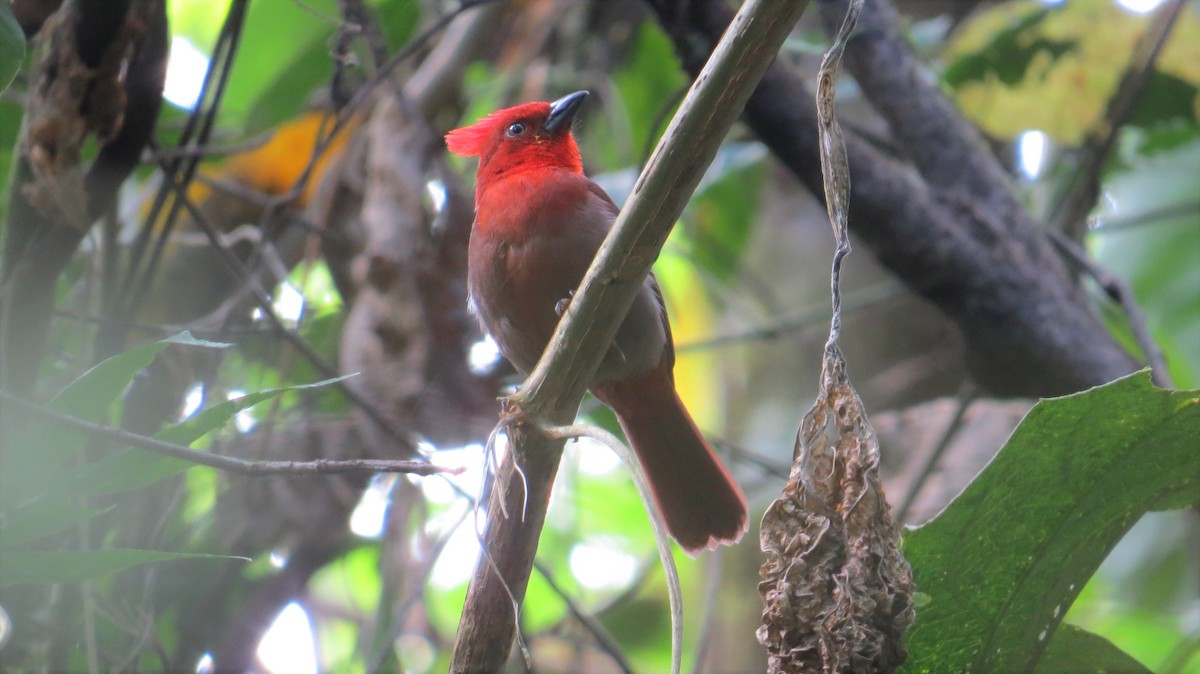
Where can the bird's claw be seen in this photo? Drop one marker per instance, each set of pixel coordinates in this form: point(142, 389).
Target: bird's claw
point(510, 409)
point(560, 307)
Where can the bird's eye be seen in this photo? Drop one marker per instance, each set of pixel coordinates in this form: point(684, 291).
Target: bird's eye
point(515, 129)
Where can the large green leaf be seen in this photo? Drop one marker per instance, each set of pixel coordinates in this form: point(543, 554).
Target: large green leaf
point(649, 75)
point(42, 518)
point(1023, 65)
point(1003, 563)
point(44, 568)
point(94, 392)
point(1078, 651)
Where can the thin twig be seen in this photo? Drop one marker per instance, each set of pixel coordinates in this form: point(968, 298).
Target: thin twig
point(211, 149)
point(1155, 216)
point(1069, 214)
point(229, 463)
point(710, 616)
point(661, 117)
point(662, 540)
point(607, 644)
point(376, 659)
point(344, 117)
point(835, 168)
point(965, 397)
point(263, 301)
point(216, 80)
point(859, 299)
point(328, 134)
point(1118, 290)
point(738, 454)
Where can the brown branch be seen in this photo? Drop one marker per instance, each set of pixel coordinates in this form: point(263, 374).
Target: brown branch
point(227, 463)
point(553, 391)
point(1027, 328)
point(97, 23)
point(1150, 217)
point(145, 75)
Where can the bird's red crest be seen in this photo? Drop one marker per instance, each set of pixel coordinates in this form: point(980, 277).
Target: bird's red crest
point(471, 141)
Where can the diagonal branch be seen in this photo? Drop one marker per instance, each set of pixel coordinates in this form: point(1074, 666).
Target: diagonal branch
point(227, 463)
point(1083, 188)
point(1028, 329)
point(553, 391)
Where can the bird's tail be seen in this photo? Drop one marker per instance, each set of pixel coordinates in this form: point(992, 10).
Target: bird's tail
point(702, 505)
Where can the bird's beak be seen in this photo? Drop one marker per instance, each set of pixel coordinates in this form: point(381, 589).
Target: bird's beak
point(562, 112)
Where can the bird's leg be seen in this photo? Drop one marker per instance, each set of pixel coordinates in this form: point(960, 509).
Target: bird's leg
point(560, 307)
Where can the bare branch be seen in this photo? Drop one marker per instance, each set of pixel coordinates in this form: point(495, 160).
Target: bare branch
point(229, 463)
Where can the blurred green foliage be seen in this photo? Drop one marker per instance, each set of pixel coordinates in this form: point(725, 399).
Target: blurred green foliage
point(12, 46)
point(41, 470)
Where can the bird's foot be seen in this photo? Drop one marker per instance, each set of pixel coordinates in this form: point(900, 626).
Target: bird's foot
point(560, 307)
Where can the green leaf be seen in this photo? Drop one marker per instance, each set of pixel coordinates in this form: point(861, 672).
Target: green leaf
point(136, 467)
point(1166, 99)
point(650, 72)
point(1160, 138)
point(1022, 65)
point(45, 568)
point(720, 219)
point(38, 454)
point(1009, 54)
point(94, 392)
point(288, 41)
point(290, 57)
point(10, 125)
point(40, 519)
point(1004, 561)
point(1077, 651)
point(12, 46)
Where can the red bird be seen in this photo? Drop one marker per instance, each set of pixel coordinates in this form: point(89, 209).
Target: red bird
point(538, 223)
